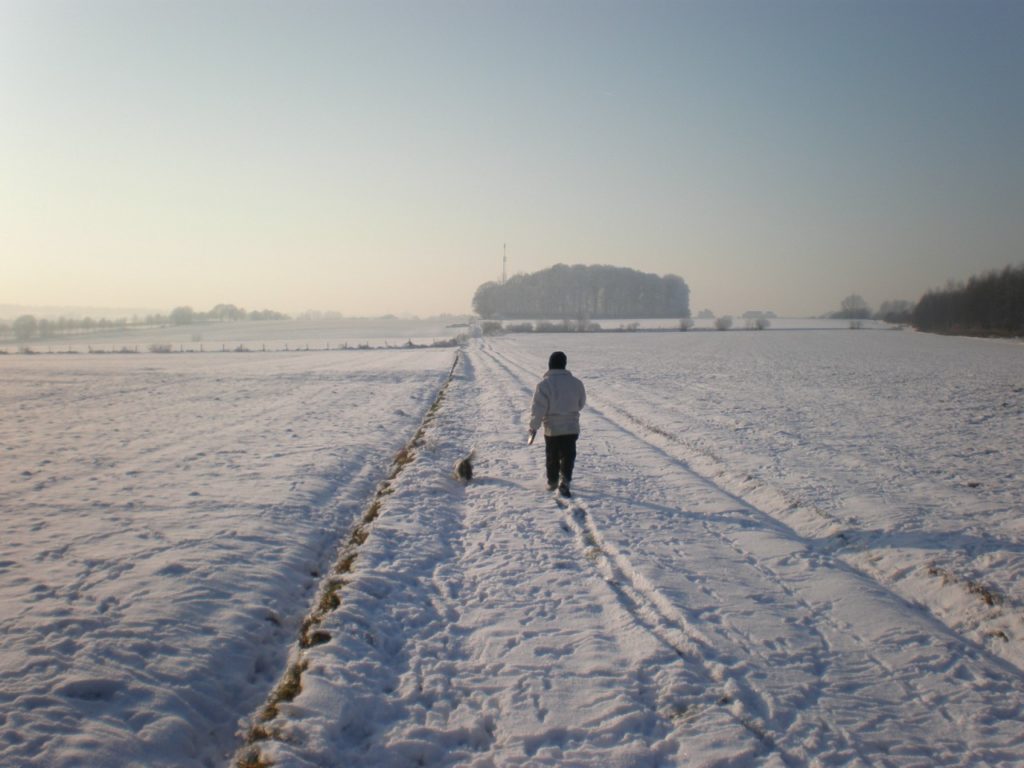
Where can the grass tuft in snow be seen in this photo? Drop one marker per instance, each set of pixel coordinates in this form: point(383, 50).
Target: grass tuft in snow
point(289, 687)
point(329, 600)
point(989, 596)
point(253, 759)
point(344, 564)
point(287, 690)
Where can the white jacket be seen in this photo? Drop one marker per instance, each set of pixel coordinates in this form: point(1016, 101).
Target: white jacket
point(557, 403)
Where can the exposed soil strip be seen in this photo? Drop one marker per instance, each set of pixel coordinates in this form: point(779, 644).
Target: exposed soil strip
point(310, 633)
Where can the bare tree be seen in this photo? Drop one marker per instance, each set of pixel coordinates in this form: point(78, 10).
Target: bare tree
point(853, 307)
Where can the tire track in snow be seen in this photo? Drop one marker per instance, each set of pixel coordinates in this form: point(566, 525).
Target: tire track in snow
point(681, 692)
point(823, 548)
point(652, 611)
point(997, 612)
point(824, 624)
point(844, 652)
point(820, 552)
point(958, 652)
point(657, 615)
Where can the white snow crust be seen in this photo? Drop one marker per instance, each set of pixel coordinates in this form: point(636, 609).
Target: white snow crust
point(786, 548)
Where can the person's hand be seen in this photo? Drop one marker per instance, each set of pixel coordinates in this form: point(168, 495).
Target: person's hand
point(533, 434)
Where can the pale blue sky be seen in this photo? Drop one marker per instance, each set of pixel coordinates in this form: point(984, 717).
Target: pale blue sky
point(374, 157)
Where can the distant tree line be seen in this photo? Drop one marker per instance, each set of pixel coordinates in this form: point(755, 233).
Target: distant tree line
point(855, 309)
point(220, 314)
point(898, 311)
point(582, 292)
point(988, 304)
point(28, 327)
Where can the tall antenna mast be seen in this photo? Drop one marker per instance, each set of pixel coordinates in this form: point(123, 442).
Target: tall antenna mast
point(504, 263)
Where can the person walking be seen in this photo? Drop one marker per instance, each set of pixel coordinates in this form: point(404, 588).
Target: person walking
point(557, 402)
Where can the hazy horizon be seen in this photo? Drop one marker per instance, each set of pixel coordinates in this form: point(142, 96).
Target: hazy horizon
point(377, 158)
point(11, 311)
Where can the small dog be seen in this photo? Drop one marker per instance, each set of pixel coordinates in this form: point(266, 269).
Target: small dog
point(464, 468)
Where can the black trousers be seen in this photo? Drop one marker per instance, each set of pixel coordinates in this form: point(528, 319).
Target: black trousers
point(560, 457)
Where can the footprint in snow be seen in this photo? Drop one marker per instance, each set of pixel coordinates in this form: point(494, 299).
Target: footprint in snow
point(173, 569)
point(90, 690)
point(553, 652)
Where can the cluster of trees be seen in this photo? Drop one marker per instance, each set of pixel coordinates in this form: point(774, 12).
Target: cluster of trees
point(581, 292)
point(220, 314)
point(988, 304)
point(897, 311)
point(28, 327)
point(853, 307)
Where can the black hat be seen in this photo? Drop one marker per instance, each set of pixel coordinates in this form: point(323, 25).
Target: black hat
point(557, 361)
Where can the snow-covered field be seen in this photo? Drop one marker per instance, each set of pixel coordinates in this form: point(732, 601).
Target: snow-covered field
point(253, 336)
point(284, 335)
point(164, 521)
point(786, 548)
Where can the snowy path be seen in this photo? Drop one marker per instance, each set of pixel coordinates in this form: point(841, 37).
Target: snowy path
point(657, 620)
